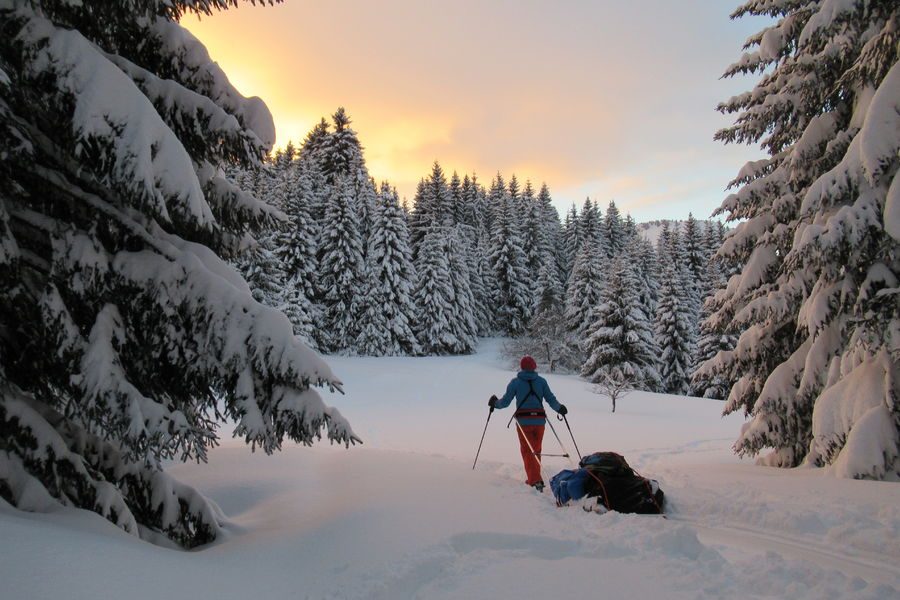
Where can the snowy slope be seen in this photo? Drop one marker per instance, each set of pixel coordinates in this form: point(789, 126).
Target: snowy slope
point(405, 516)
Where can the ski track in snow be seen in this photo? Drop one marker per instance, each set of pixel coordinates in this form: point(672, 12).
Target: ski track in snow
point(405, 516)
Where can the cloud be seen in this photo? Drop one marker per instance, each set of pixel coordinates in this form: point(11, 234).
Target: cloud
point(606, 98)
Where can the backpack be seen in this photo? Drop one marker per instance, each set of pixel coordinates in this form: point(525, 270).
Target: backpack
point(608, 477)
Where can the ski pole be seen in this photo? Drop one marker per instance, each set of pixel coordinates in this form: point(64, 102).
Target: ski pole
point(482, 437)
point(559, 441)
point(573, 438)
point(561, 445)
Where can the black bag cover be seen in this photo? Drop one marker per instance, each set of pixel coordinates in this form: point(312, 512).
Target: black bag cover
point(618, 487)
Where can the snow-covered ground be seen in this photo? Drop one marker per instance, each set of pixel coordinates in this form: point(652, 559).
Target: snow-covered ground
point(405, 516)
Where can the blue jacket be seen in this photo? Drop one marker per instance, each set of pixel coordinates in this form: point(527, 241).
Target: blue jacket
point(520, 389)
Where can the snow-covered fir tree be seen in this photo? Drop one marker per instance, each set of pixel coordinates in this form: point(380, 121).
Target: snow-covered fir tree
point(590, 227)
point(584, 289)
point(303, 314)
point(674, 333)
point(647, 263)
point(392, 279)
point(262, 270)
point(454, 192)
point(434, 297)
point(296, 244)
point(462, 322)
point(711, 340)
point(619, 338)
point(340, 150)
point(119, 324)
point(341, 156)
point(310, 163)
point(480, 276)
point(613, 231)
point(571, 241)
point(819, 239)
point(510, 294)
point(515, 196)
point(552, 232)
point(372, 339)
point(433, 207)
point(535, 244)
point(548, 337)
point(341, 269)
point(696, 256)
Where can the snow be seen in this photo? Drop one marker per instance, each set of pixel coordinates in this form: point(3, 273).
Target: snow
point(405, 516)
point(145, 155)
point(200, 70)
point(892, 209)
point(857, 409)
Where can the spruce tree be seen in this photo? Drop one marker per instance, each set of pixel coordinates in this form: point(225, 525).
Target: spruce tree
point(341, 156)
point(673, 334)
point(552, 236)
point(468, 210)
point(421, 218)
point(462, 320)
point(341, 270)
point(614, 231)
point(510, 294)
point(515, 196)
point(480, 283)
point(711, 340)
point(310, 165)
point(124, 338)
point(572, 241)
point(534, 243)
point(816, 364)
point(649, 269)
point(455, 199)
point(392, 279)
point(263, 272)
point(548, 337)
point(664, 243)
point(711, 242)
point(373, 338)
point(340, 150)
point(434, 297)
point(695, 255)
point(296, 244)
point(303, 314)
point(590, 227)
point(583, 291)
point(619, 340)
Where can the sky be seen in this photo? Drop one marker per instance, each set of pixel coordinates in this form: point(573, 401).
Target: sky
point(601, 98)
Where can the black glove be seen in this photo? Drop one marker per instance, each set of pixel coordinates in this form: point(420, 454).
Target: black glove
point(563, 410)
point(492, 402)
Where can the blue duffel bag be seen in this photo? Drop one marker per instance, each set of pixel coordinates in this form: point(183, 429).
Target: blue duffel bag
point(569, 485)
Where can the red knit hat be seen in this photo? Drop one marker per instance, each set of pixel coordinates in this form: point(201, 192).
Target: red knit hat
point(528, 363)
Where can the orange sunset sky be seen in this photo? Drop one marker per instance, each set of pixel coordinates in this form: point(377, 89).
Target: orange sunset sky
point(609, 99)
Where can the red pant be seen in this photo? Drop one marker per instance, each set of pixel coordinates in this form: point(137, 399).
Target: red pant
point(534, 434)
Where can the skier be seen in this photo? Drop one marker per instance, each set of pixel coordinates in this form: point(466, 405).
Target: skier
point(530, 390)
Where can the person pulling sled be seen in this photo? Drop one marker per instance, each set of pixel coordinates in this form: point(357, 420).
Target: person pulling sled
point(530, 390)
